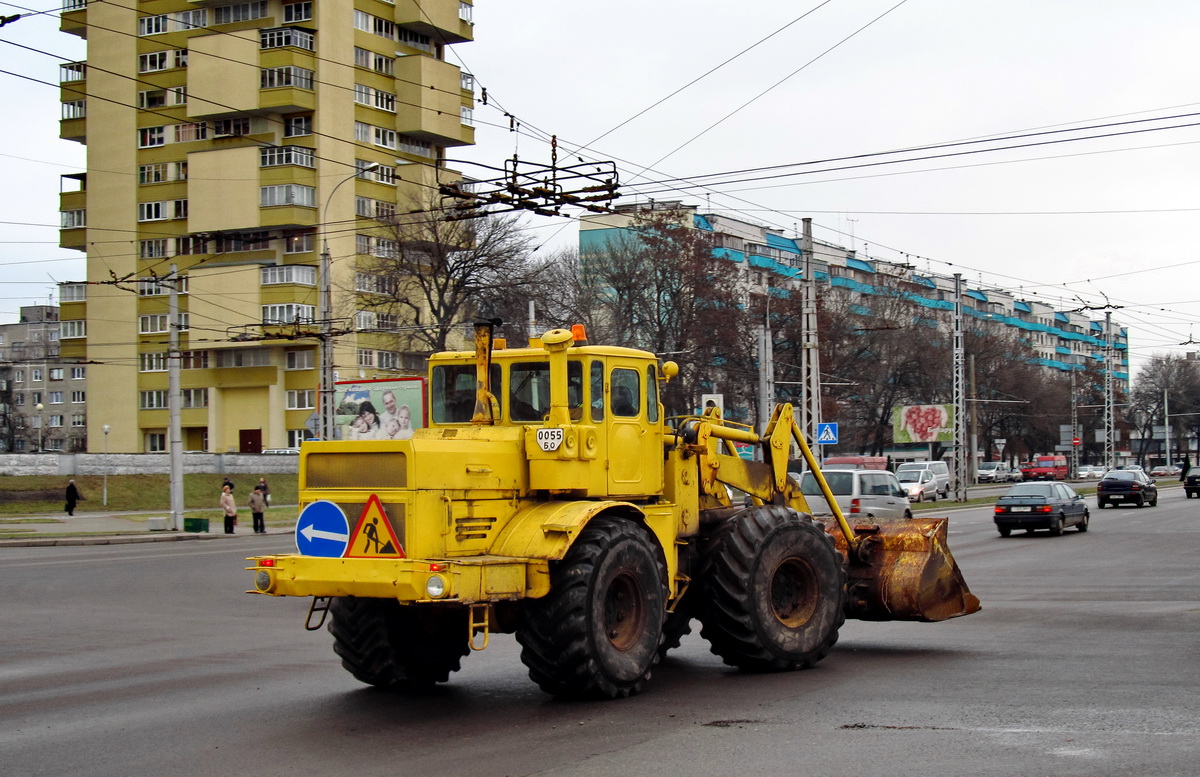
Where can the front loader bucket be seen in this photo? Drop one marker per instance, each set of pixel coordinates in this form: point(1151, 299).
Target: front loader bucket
point(903, 570)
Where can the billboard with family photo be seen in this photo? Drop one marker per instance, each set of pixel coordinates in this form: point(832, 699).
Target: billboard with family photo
point(388, 409)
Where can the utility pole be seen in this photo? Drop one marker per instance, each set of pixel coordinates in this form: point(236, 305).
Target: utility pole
point(1167, 428)
point(960, 404)
point(766, 375)
point(1110, 425)
point(973, 469)
point(810, 353)
point(325, 407)
point(174, 399)
point(1074, 426)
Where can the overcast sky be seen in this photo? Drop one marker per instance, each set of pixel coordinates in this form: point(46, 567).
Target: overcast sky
point(1071, 221)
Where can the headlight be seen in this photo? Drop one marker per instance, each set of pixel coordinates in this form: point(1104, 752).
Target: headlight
point(264, 581)
point(435, 586)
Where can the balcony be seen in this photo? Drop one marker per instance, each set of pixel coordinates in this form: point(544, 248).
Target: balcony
point(439, 20)
point(435, 86)
point(72, 205)
point(73, 19)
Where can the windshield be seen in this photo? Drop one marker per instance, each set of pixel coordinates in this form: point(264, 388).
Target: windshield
point(1030, 489)
point(841, 483)
point(987, 465)
point(910, 476)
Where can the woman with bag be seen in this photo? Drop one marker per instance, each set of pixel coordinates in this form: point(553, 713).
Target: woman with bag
point(230, 508)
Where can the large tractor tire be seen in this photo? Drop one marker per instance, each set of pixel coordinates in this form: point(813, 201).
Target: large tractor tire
point(774, 591)
point(597, 633)
point(386, 644)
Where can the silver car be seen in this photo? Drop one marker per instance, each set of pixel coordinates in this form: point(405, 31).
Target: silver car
point(860, 493)
point(918, 484)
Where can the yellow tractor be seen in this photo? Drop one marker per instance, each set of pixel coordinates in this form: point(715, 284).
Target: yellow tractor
point(549, 497)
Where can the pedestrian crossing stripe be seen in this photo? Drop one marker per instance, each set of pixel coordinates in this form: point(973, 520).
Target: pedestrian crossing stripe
point(373, 535)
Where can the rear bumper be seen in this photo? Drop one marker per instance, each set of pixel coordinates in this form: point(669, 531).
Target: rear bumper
point(1031, 521)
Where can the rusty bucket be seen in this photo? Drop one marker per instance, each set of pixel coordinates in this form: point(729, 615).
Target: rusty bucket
point(903, 570)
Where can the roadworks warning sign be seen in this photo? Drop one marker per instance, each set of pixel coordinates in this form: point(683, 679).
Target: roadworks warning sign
point(373, 535)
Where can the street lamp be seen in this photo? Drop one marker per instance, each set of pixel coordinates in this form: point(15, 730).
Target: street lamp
point(106, 428)
point(39, 407)
point(325, 408)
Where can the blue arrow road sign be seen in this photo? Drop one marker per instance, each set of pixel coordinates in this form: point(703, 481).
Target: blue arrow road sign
point(322, 530)
point(827, 434)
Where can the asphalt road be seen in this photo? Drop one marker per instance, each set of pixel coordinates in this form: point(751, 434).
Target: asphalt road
point(138, 660)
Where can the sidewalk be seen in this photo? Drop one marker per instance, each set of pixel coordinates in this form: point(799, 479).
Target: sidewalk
point(111, 528)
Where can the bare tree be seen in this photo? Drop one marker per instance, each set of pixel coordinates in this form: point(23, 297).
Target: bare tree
point(430, 274)
point(1173, 379)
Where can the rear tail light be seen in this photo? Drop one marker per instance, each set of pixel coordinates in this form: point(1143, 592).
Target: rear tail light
point(1045, 509)
point(999, 509)
point(854, 506)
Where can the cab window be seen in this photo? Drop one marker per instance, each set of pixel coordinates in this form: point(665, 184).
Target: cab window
point(452, 392)
point(529, 391)
point(575, 389)
point(597, 386)
point(626, 393)
point(651, 394)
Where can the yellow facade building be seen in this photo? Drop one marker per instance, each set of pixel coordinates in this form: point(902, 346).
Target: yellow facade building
point(234, 142)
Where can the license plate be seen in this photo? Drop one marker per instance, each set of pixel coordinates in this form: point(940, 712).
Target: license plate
point(1019, 509)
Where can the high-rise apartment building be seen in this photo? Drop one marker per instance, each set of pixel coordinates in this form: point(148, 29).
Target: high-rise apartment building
point(233, 142)
point(43, 401)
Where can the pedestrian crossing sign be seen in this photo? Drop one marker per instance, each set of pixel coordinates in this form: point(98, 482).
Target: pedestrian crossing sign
point(827, 434)
point(373, 535)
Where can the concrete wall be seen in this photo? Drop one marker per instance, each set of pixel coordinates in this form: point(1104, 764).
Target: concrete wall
point(67, 464)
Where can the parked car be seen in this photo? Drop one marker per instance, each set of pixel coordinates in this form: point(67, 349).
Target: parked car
point(919, 484)
point(1090, 472)
point(860, 493)
point(941, 473)
point(1032, 506)
point(1164, 471)
point(1191, 484)
point(1046, 468)
point(997, 472)
point(282, 451)
point(1126, 485)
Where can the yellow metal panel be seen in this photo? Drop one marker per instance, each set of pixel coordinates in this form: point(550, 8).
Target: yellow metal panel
point(547, 530)
point(221, 296)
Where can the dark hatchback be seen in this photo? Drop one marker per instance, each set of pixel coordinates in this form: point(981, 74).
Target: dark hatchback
point(1126, 485)
point(1191, 484)
point(1032, 506)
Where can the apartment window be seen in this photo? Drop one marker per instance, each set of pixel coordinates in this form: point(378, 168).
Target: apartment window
point(287, 36)
point(18, 399)
point(158, 287)
point(385, 101)
point(290, 75)
point(190, 20)
point(18, 376)
point(78, 420)
point(466, 12)
point(152, 400)
point(246, 241)
point(303, 399)
point(152, 25)
point(289, 273)
point(298, 244)
point(186, 133)
point(297, 436)
point(57, 373)
point(156, 173)
point(152, 362)
point(35, 376)
point(162, 60)
point(244, 357)
point(363, 94)
point(153, 211)
point(387, 321)
point(414, 146)
point(362, 132)
point(193, 360)
point(387, 360)
point(74, 71)
point(55, 421)
point(363, 207)
point(72, 292)
point(300, 360)
point(275, 156)
point(467, 82)
point(74, 219)
point(238, 126)
point(288, 194)
point(72, 329)
point(362, 244)
point(364, 319)
point(415, 39)
point(385, 138)
point(386, 248)
point(78, 373)
point(55, 397)
point(156, 442)
point(380, 63)
point(194, 397)
point(149, 137)
point(366, 357)
point(466, 116)
point(153, 249)
point(74, 109)
point(242, 12)
point(297, 126)
point(297, 12)
point(155, 323)
point(290, 313)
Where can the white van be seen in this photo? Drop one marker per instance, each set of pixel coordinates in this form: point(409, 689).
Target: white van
point(941, 474)
point(860, 493)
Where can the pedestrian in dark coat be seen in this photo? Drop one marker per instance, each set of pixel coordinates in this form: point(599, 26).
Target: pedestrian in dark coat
point(258, 506)
point(229, 483)
point(72, 497)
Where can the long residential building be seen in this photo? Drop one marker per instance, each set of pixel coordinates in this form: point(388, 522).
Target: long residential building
point(43, 400)
point(768, 260)
point(234, 142)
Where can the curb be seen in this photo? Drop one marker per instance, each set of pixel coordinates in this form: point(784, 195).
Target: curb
point(119, 539)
